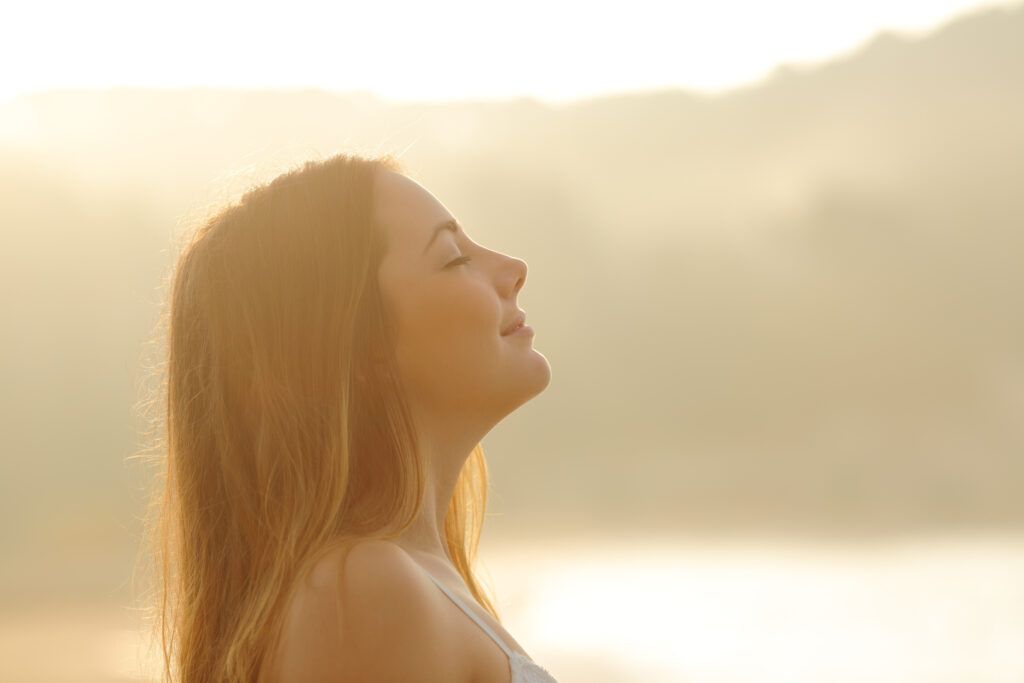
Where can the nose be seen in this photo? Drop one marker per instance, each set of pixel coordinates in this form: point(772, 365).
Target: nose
point(515, 275)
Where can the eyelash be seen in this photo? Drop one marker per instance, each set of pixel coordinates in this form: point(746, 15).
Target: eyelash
point(459, 261)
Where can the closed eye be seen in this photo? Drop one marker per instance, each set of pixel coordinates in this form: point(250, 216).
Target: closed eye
point(459, 261)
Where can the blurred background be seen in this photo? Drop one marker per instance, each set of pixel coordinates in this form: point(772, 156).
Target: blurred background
point(775, 259)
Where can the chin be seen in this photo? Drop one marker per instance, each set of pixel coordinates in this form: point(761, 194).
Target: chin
point(520, 383)
point(538, 377)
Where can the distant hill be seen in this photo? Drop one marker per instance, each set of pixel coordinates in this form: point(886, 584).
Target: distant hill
point(796, 305)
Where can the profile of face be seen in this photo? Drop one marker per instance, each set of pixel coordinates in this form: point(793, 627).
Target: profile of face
point(451, 298)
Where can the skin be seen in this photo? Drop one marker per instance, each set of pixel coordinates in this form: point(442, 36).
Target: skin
point(463, 376)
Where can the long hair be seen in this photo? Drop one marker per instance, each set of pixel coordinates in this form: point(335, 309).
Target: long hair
point(283, 429)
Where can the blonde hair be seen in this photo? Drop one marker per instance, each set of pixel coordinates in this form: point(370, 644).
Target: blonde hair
point(272, 451)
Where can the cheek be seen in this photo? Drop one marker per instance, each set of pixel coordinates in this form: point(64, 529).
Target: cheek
point(450, 330)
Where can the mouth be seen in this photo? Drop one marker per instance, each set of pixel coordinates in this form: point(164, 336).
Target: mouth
point(517, 323)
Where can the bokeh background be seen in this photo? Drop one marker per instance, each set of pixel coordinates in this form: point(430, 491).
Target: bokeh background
point(775, 262)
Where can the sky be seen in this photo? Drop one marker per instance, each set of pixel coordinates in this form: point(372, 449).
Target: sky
point(444, 49)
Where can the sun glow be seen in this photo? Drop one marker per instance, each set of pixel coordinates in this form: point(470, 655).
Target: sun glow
point(443, 50)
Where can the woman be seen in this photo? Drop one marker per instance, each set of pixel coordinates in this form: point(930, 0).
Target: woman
point(338, 346)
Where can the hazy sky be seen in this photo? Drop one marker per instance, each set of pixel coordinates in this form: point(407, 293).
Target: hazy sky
point(443, 49)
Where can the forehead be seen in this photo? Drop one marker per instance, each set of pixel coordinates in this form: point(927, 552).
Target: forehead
point(406, 211)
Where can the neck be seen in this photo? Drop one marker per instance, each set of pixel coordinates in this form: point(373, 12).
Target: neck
point(442, 462)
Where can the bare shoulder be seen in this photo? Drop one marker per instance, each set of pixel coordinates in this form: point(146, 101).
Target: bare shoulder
point(364, 614)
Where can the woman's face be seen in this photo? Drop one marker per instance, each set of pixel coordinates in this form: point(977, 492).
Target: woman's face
point(450, 312)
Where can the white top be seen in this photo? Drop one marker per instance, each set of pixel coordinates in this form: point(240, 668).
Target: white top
point(524, 669)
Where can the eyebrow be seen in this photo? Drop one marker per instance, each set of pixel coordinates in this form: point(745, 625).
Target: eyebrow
point(450, 224)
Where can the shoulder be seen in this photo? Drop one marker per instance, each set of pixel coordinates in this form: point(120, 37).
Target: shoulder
point(364, 613)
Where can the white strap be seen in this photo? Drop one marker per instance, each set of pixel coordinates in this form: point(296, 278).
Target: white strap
point(487, 629)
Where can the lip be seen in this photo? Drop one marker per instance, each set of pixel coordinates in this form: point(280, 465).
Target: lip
point(524, 331)
point(520, 319)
